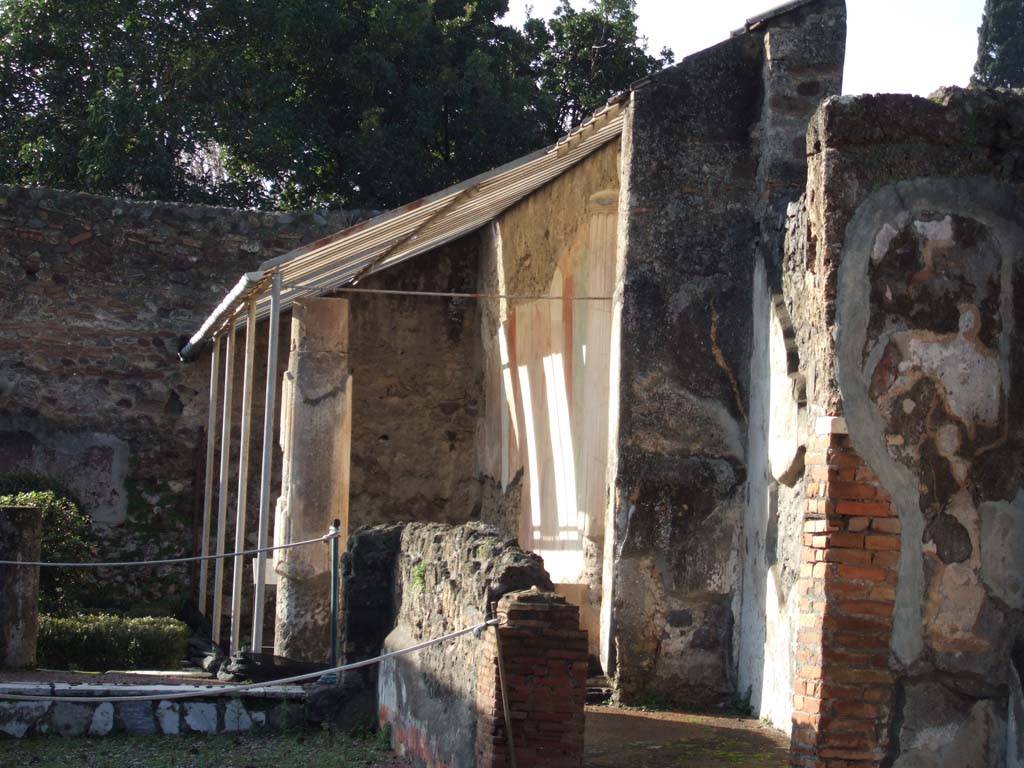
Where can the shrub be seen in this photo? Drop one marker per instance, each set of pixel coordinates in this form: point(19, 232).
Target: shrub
point(67, 536)
point(99, 642)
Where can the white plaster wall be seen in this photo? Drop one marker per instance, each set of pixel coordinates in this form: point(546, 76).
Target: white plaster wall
point(768, 612)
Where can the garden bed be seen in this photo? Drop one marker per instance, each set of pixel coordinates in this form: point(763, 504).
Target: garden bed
point(322, 749)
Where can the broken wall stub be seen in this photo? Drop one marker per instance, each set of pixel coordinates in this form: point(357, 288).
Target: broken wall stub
point(101, 293)
point(713, 154)
point(904, 276)
point(539, 655)
point(407, 584)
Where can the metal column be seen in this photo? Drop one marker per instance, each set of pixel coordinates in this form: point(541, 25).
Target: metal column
point(267, 464)
point(211, 450)
point(225, 468)
point(243, 478)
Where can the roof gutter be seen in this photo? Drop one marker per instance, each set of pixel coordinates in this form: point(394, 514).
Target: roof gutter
point(248, 284)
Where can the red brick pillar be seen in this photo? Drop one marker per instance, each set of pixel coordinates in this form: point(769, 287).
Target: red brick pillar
point(545, 661)
point(843, 688)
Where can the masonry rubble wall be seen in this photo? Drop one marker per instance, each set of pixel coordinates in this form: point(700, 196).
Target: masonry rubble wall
point(904, 283)
point(408, 583)
point(713, 154)
point(100, 294)
point(281, 708)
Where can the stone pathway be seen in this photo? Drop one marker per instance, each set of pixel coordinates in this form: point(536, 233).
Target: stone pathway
point(190, 677)
point(628, 738)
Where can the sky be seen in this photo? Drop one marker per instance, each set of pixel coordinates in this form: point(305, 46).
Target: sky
point(892, 46)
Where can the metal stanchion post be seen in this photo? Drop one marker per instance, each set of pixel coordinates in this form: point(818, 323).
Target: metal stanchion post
point(331, 678)
point(335, 529)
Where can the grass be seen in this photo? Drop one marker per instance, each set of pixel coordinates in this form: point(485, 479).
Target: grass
point(309, 750)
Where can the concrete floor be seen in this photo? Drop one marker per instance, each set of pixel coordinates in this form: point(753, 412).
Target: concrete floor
point(629, 738)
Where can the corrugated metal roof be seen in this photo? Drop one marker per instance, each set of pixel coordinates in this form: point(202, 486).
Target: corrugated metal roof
point(376, 244)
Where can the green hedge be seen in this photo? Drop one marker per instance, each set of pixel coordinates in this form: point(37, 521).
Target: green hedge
point(67, 537)
point(98, 642)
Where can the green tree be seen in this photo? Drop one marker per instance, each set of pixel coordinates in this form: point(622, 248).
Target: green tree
point(1001, 45)
point(104, 95)
point(263, 103)
point(380, 105)
point(590, 55)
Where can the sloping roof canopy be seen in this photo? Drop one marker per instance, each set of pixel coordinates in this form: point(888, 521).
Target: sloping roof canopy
point(381, 242)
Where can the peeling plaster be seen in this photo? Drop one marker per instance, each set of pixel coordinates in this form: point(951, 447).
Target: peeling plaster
point(970, 393)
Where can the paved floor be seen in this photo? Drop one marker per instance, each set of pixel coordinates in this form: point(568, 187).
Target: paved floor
point(627, 738)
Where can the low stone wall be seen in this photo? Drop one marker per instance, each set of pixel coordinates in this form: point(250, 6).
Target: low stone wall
point(407, 584)
point(281, 707)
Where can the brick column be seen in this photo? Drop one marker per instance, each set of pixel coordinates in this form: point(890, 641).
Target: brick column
point(545, 660)
point(843, 688)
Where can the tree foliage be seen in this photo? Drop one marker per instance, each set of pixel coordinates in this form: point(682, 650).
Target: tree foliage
point(259, 103)
point(588, 55)
point(1001, 45)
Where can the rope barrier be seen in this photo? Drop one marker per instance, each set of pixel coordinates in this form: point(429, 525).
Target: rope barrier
point(174, 560)
point(232, 690)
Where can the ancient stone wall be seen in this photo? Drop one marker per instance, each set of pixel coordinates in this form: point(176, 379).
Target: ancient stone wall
point(99, 294)
point(712, 157)
point(803, 64)
point(681, 471)
point(903, 278)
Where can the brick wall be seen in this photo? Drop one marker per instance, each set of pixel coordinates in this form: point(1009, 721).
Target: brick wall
point(843, 688)
point(544, 653)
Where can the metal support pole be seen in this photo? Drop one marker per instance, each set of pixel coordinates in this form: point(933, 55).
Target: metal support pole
point(225, 468)
point(334, 531)
point(270, 408)
point(211, 450)
point(243, 479)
